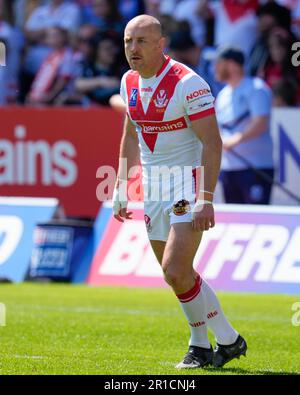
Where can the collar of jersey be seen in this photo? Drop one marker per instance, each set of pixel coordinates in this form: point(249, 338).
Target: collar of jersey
point(165, 64)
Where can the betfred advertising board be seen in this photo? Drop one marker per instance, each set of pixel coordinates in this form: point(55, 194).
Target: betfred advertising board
point(251, 249)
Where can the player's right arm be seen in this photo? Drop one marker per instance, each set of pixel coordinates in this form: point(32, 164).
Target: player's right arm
point(128, 158)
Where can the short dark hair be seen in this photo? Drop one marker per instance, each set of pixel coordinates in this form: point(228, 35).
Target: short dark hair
point(181, 41)
point(231, 53)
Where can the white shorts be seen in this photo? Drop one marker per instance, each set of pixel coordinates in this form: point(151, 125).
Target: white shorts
point(159, 216)
point(167, 204)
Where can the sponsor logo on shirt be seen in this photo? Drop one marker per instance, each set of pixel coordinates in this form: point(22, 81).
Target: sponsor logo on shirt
point(148, 89)
point(200, 105)
point(156, 127)
point(133, 97)
point(198, 93)
point(161, 99)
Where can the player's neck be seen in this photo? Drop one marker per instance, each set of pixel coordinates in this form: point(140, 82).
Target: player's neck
point(155, 70)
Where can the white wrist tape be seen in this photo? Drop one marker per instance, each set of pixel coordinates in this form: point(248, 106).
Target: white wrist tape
point(210, 193)
point(119, 199)
point(200, 202)
point(199, 205)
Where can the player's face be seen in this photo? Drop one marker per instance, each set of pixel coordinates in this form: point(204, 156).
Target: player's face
point(143, 49)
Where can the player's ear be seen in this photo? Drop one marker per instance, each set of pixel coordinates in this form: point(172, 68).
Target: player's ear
point(162, 43)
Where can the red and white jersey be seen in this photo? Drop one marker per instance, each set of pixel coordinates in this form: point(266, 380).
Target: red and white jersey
point(162, 108)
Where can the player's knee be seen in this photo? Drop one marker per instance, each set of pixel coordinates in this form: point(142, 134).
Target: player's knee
point(173, 276)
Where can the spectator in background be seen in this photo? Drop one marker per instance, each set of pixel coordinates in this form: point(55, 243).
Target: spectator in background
point(284, 93)
point(183, 48)
point(8, 74)
point(269, 16)
point(152, 7)
point(243, 109)
point(127, 8)
point(235, 22)
point(7, 13)
point(187, 10)
point(105, 15)
point(56, 70)
point(3, 82)
point(130, 8)
point(101, 77)
point(82, 47)
point(279, 65)
point(169, 26)
point(57, 13)
point(23, 9)
point(294, 7)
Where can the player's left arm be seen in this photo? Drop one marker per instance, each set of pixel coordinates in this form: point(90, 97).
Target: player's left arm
point(198, 104)
point(207, 130)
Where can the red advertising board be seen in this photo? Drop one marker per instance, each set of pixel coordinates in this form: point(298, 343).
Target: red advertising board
point(56, 153)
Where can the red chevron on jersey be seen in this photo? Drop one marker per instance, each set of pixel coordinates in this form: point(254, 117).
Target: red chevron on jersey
point(159, 101)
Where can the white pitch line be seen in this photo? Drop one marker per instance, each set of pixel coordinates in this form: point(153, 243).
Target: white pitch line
point(172, 312)
point(100, 310)
point(29, 356)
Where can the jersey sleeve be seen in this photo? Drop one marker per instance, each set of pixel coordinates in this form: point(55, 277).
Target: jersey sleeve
point(123, 94)
point(123, 89)
point(198, 101)
point(260, 103)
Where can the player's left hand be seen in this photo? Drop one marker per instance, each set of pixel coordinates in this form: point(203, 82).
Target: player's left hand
point(203, 217)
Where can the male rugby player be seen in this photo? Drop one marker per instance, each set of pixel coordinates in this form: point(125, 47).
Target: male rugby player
point(171, 122)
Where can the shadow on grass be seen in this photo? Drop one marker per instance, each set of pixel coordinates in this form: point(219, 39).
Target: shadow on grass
point(249, 371)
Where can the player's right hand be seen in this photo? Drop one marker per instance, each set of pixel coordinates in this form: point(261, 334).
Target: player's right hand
point(203, 216)
point(120, 205)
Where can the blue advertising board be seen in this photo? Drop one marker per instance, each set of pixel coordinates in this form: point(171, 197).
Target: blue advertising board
point(62, 250)
point(18, 218)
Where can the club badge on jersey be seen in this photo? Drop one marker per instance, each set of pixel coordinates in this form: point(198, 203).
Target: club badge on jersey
point(161, 99)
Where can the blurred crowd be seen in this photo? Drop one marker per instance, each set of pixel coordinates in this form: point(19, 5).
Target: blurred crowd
point(70, 52)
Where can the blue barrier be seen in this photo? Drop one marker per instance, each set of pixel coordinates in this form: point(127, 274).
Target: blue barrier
point(62, 250)
point(18, 217)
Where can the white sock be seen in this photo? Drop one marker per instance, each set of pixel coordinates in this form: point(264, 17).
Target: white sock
point(193, 305)
point(225, 334)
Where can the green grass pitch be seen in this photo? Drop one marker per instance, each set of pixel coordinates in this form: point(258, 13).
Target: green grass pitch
point(68, 329)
